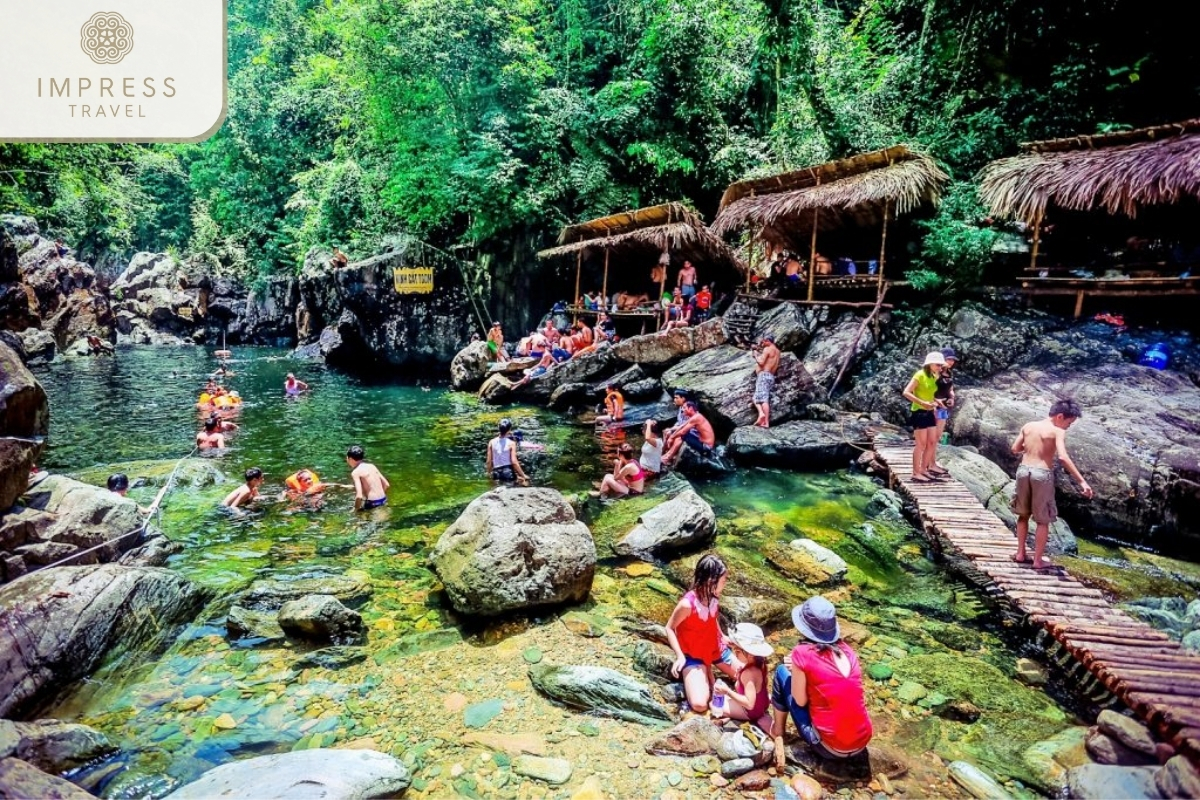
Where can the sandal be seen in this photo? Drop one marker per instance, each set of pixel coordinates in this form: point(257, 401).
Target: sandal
point(938, 471)
point(921, 479)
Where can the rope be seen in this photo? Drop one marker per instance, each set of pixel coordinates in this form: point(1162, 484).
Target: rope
point(23, 439)
point(154, 507)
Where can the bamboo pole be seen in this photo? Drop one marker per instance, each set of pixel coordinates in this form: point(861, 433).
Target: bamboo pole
point(578, 299)
point(812, 251)
point(662, 286)
point(1037, 239)
point(604, 284)
point(750, 261)
point(887, 204)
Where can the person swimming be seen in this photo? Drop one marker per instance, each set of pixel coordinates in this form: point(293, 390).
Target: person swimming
point(370, 487)
point(210, 438)
point(247, 491)
point(292, 386)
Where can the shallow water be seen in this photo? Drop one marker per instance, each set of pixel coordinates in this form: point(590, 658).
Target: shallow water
point(206, 700)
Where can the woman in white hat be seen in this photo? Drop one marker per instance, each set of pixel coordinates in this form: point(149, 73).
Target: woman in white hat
point(820, 687)
point(748, 700)
point(920, 392)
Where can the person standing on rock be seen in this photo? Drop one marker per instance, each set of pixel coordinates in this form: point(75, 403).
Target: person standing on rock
point(495, 343)
point(694, 633)
point(1037, 444)
point(370, 487)
point(686, 282)
point(501, 459)
point(945, 393)
point(766, 364)
point(920, 393)
point(820, 688)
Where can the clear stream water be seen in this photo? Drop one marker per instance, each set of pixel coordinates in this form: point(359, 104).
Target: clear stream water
point(206, 700)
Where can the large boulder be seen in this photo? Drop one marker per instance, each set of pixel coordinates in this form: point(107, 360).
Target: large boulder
point(24, 420)
point(60, 516)
point(685, 520)
point(320, 773)
point(1137, 443)
point(148, 271)
point(56, 625)
point(52, 746)
point(38, 345)
point(830, 348)
point(270, 594)
point(470, 366)
point(515, 549)
point(1103, 782)
point(790, 324)
point(804, 444)
point(583, 368)
point(598, 690)
point(995, 490)
point(662, 349)
point(808, 562)
point(62, 296)
point(321, 618)
point(722, 379)
point(19, 780)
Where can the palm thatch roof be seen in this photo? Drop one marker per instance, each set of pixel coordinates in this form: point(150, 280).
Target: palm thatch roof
point(1118, 172)
point(853, 190)
point(669, 227)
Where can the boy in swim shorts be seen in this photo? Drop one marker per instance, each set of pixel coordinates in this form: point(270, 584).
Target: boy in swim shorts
point(370, 487)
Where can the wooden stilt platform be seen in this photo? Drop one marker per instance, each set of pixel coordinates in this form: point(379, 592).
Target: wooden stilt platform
point(1152, 674)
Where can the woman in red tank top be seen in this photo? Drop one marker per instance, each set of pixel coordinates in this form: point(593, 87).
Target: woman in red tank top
point(821, 688)
point(695, 634)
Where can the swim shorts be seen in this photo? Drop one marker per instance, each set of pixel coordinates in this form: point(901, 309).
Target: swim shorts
point(504, 474)
point(692, 438)
point(1035, 495)
point(687, 290)
point(922, 418)
point(762, 387)
point(726, 658)
point(373, 503)
point(941, 413)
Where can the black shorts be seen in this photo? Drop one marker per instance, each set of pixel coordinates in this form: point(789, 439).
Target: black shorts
point(922, 418)
point(504, 474)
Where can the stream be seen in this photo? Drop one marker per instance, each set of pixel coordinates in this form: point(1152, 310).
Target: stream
point(934, 649)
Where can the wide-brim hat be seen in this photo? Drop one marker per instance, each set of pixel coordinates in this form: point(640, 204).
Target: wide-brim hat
point(816, 619)
point(750, 638)
point(948, 353)
point(935, 357)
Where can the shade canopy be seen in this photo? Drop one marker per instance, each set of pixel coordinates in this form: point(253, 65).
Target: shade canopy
point(1118, 173)
point(851, 191)
point(669, 227)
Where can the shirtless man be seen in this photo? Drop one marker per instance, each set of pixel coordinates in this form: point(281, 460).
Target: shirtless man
point(1038, 443)
point(686, 282)
point(766, 364)
point(370, 487)
point(495, 342)
point(210, 438)
point(247, 491)
point(697, 432)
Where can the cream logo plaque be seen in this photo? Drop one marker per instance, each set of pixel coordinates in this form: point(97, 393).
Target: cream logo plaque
point(142, 70)
point(106, 37)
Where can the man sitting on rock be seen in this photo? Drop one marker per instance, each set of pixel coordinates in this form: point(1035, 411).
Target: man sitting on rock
point(696, 432)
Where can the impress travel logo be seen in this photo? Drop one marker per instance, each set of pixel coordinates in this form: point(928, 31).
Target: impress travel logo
point(131, 71)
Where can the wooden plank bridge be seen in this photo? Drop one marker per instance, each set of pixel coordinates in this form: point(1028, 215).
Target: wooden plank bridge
point(1146, 670)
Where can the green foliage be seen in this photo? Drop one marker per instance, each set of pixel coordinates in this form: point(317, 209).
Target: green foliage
point(487, 122)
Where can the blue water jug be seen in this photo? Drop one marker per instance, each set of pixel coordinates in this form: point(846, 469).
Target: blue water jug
point(1157, 356)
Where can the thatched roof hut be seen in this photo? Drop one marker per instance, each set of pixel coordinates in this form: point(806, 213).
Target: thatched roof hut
point(859, 190)
point(669, 228)
point(1117, 173)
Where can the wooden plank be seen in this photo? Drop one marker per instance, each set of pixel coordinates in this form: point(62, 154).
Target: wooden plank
point(1085, 640)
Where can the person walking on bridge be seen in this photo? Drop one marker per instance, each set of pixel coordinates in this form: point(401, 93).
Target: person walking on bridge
point(1037, 444)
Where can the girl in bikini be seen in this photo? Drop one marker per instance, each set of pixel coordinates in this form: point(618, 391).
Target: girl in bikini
point(627, 477)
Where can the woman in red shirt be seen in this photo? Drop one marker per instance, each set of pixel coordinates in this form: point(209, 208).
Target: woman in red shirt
point(820, 687)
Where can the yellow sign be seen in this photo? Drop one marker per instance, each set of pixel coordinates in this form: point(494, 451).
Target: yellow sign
point(413, 280)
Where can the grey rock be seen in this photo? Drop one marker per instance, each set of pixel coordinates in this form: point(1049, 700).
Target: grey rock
point(20, 780)
point(722, 379)
point(38, 345)
point(1191, 641)
point(804, 444)
point(735, 745)
point(25, 414)
point(976, 782)
point(333, 658)
point(470, 366)
point(600, 690)
point(56, 625)
point(322, 618)
point(269, 594)
point(809, 562)
point(320, 773)
point(1178, 778)
point(697, 736)
point(763, 612)
point(549, 770)
point(1104, 782)
point(244, 623)
point(52, 746)
point(685, 520)
point(654, 659)
point(82, 516)
point(738, 766)
point(1105, 749)
point(652, 349)
point(1127, 731)
point(791, 325)
point(829, 347)
point(515, 549)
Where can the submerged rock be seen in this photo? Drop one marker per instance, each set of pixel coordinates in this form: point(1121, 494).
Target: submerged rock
point(245, 623)
point(599, 690)
point(269, 594)
point(56, 625)
point(318, 773)
point(809, 563)
point(515, 549)
point(683, 521)
point(322, 618)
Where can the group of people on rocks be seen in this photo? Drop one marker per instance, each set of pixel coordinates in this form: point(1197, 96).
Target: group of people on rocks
point(819, 686)
point(550, 344)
